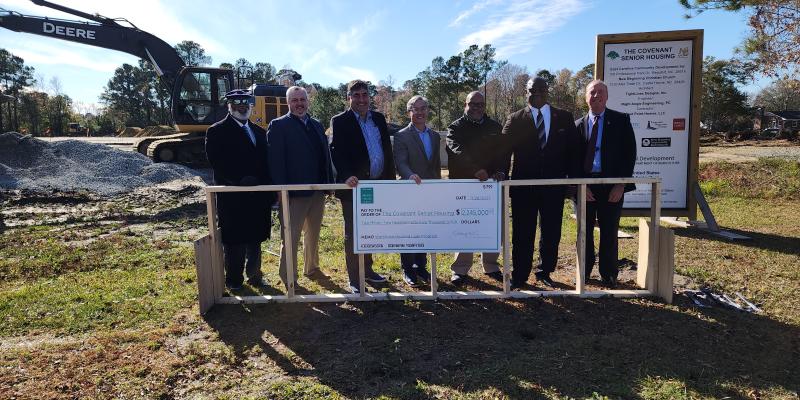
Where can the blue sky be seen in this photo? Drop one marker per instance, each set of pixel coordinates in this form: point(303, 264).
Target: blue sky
point(334, 41)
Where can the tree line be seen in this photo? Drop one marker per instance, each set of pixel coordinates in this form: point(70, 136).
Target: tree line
point(135, 97)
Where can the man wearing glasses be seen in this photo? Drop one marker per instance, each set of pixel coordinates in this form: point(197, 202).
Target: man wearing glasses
point(416, 155)
point(474, 152)
point(237, 152)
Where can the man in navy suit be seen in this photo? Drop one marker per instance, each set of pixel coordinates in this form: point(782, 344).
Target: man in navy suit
point(361, 149)
point(237, 152)
point(545, 145)
point(609, 152)
point(299, 154)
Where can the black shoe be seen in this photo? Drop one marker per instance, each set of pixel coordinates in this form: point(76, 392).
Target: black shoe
point(496, 275)
point(458, 279)
point(410, 277)
point(609, 282)
point(423, 274)
point(233, 286)
point(517, 286)
point(544, 277)
point(258, 283)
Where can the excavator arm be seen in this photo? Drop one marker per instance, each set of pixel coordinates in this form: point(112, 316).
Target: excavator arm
point(103, 32)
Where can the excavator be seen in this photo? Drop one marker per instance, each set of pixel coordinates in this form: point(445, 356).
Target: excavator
point(197, 92)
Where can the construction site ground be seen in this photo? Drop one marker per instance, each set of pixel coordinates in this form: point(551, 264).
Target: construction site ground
point(98, 300)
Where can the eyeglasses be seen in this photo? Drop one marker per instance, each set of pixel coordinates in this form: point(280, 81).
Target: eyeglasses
point(239, 101)
point(476, 105)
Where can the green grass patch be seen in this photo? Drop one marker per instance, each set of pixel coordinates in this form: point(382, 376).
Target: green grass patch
point(767, 178)
point(101, 299)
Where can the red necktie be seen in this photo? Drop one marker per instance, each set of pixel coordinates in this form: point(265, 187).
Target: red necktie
point(591, 146)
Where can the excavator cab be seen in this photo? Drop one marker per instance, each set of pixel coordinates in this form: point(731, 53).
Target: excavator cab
point(199, 97)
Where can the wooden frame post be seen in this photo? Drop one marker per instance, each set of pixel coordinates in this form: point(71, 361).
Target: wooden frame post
point(581, 240)
point(434, 283)
point(288, 243)
point(506, 241)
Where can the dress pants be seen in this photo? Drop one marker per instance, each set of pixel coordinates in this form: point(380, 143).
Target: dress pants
point(407, 260)
point(607, 215)
point(463, 262)
point(350, 258)
point(546, 204)
point(305, 214)
point(235, 255)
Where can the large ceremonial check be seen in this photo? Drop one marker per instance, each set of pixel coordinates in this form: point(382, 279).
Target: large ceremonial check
point(435, 216)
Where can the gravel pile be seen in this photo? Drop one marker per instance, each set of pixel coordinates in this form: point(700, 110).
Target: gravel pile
point(28, 163)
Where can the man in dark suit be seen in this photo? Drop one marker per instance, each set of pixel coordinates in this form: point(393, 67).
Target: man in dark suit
point(416, 156)
point(237, 152)
point(545, 145)
point(473, 152)
point(299, 154)
point(609, 152)
point(361, 149)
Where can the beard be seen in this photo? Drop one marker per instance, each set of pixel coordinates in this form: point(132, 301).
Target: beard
point(241, 116)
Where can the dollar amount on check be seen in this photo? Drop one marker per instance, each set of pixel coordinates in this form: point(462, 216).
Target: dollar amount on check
point(436, 216)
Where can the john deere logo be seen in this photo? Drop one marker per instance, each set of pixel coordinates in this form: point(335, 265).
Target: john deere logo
point(367, 197)
point(612, 55)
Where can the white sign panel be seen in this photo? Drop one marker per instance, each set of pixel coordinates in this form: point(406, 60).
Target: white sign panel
point(652, 81)
point(435, 216)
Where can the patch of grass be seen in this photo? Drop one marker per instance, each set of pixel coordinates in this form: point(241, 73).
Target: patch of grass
point(100, 299)
point(37, 252)
point(767, 178)
point(303, 389)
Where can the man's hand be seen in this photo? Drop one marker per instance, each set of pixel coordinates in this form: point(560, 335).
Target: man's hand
point(616, 193)
point(415, 178)
point(351, 181)
point(482, 175)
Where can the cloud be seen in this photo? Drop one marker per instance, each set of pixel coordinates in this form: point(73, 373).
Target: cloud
point(59, 53)
point(464, 15)
point(517, 27)
point(353, 39)
point(345, 73)
point(152, 16)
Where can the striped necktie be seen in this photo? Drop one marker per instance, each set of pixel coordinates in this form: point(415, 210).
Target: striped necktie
point(540, 129)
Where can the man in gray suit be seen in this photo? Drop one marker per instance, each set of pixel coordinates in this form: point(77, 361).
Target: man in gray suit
point(416, 156)
point(299, 154)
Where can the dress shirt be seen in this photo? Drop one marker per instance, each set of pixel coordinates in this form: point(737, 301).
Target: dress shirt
point(372, 137)
point(546, 115)
point(247, 129)
point(426, 140)
point(596, 163)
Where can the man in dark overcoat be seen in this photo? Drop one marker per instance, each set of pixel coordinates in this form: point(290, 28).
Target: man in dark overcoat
point(237, 152)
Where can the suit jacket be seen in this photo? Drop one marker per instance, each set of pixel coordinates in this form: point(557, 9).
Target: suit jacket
point(472, 147)
point(409, 154)
point(349, 149)
point(617, 146)
point(290, 153)
point(243, 217)
point(561, 156)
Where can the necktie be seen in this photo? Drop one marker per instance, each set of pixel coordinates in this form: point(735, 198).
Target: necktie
point(250, 133)
point(591, 146)
point(540, 129)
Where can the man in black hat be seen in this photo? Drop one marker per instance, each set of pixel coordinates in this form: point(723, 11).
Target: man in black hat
point(237, 151)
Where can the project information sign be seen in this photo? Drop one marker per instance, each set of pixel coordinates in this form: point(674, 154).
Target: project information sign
point(435, 216)
point(652, 81)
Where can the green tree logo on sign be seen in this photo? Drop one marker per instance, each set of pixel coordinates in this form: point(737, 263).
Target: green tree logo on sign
point(612, 55)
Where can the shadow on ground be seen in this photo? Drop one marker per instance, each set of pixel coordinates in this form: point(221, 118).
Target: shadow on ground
point(524, 349)
point(788, 245)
